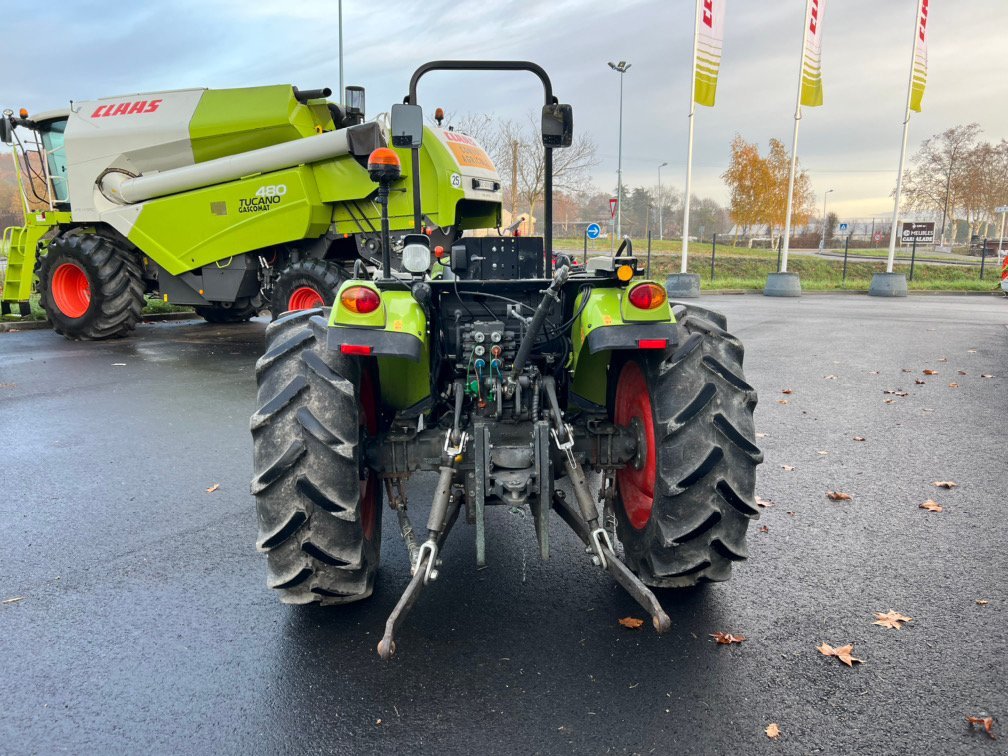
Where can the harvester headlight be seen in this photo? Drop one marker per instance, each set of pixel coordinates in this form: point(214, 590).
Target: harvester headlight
point(360, 299)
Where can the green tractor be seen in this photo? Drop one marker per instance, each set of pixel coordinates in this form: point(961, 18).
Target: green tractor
point(228, 200)
point(513, 381)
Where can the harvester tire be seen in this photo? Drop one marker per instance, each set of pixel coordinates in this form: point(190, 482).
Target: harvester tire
point(90, 286)
point(319, 507)
point(235, 313)
point(682, 516)
point(305, 285)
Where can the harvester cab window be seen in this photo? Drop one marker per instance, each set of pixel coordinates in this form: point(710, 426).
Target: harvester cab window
point(52, 140)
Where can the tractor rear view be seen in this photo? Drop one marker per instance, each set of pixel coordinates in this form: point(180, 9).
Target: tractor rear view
point(229, 200)
point(582, 392)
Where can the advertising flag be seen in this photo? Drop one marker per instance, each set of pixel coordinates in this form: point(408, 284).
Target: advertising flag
point(811, 83)
point(920, 60)
point(710, 39)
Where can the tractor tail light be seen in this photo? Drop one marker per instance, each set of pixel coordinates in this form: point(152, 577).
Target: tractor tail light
point(652, 343)
point(360, 299)
point(647, 296)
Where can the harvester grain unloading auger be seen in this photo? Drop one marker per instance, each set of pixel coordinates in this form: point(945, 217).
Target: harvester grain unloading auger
point(231, 201)
point(504, 378)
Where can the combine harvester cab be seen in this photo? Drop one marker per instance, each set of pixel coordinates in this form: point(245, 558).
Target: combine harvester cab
point(231, 201)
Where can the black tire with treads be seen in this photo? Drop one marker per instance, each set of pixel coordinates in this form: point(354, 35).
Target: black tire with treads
point(705, 453)
point(324, 276)
point(114, 281)
point(321, 533)
point(238, 312)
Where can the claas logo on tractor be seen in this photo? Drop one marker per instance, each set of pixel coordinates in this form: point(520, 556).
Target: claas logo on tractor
point(507, 379)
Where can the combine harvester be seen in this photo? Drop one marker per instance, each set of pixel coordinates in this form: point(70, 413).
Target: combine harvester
point(228, 200)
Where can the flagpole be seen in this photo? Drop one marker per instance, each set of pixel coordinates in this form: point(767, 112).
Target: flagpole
point(689, 151)
point(794, 139)
point(903, 145)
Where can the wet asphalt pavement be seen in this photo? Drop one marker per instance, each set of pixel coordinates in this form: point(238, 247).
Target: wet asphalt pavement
point(144, 623)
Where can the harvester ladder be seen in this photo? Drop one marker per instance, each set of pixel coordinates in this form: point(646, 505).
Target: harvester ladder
point(17, 279)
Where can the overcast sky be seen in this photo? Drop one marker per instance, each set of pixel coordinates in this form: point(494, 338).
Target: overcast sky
point(81, 50)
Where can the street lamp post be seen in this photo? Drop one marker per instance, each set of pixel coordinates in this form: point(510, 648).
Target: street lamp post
point(341, 98)
point(661, 228)
point(621, 68)
point(822, 242)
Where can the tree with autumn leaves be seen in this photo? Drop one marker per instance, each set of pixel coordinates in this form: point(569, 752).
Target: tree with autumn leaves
point(758, 186)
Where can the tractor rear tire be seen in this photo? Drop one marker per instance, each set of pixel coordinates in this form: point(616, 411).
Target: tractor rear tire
point(305, 285)
point(235, 313)
point(91, 287)
point(319, 508)
point(682, 517)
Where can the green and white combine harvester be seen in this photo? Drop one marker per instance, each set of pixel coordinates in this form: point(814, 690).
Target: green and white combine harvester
point(510, 380)
point(230, 200)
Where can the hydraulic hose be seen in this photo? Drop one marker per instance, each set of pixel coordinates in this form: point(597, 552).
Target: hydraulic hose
point(538, 318)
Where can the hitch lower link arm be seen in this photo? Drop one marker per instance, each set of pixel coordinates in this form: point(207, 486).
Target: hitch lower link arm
point(444, 511)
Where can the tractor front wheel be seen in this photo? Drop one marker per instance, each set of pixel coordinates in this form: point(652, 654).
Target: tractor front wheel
point(686, 503)
point(318, 504)
point(305, 285)
point(90, 287)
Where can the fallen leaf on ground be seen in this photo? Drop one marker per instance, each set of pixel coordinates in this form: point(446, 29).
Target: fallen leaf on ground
point(930, 372)
point(787, 391)
point(213, 488)
point(631, 622)
point(982, 375)
point(843, 653)
point(986, 722)
point(931, 506)
point(822, 453)
point(919, 381)
point(764, 502)
point(773, 731)
point(892, 620)
point(859, 438)
point(761, 435)
point(726, 639)
point(982, 602)
point(787, 468)
point(791, 513)
point(962, 372)
point(888, 401)
point(873, 372)
point(906, 370)
point(13, 600)
point(782, 401)
point(971, 351)
point(764, 529)
point(943, 359)
point(953, 385)
point(8, 385)
point(838, 496)
point(896, 392)
point(945, 484)
point(829, 377)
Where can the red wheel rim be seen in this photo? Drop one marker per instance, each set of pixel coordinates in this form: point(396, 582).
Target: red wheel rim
point(71, 290)
point(633, 401)
point(369, 484)
point(305, 298)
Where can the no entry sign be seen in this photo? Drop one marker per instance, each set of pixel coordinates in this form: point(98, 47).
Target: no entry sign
point(922, 233)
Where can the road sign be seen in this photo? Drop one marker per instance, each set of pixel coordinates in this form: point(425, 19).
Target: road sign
point(878, 236)
point(922, 233)
point(843, 227)
point(593, 231)
point(1002, 209)
point(612, 206)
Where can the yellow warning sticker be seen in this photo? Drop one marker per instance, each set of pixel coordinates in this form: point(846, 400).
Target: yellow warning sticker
point(467, 151)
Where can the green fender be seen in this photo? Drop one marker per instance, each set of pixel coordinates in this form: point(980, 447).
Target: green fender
point(395, 334)
point(608, 322)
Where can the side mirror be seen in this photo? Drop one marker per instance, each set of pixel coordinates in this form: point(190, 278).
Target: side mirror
point(557, 125)
point(416, 254)
point(6, 129)
point(407, 126)
point(353, 102)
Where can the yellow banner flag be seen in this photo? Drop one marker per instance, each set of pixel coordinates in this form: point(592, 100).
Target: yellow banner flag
point(811, 82)
point(708, 44)
point(920, 60)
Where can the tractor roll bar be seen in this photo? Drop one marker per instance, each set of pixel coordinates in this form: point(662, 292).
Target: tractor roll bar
point(490, 65)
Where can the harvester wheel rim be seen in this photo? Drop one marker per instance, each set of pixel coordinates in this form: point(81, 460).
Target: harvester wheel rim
point(633, 402)
point(305, 298)
point(369, 480)
point(71, 290)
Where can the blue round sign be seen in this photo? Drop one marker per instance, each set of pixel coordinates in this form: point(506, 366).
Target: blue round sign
point(593, 230)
